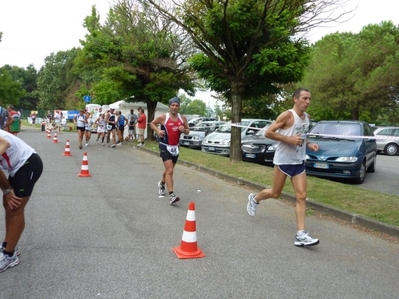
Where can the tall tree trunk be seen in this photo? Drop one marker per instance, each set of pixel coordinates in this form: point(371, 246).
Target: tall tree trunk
point(151, 105)
point(355, 113)
point(235, 142)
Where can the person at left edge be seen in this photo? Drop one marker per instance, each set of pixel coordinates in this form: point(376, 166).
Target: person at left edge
point(169, 126)
point(24, 167)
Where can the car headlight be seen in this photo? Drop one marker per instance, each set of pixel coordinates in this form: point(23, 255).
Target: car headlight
point(225, 142)
point(272, 147)
point(196, 138)
point(346, 159)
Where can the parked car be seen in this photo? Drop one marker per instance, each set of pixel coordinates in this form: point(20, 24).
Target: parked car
point(218, 142)
point(342, 156)
point(388, 146)
point(198, 133)
point(259, 149)
point(192, 122)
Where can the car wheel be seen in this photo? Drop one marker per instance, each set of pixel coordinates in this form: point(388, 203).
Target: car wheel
point(362, 174)
point(391, 149)
point(372, 166)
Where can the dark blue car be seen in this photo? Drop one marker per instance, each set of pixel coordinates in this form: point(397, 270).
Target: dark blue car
point(347, 150)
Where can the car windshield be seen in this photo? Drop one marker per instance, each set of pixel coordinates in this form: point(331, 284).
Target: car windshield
point(261, 132)
point(200, 127)
point(226, 128)
point(343, 130)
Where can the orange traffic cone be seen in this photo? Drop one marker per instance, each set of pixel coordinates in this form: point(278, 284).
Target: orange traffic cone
point(48, 133)
point(67, 151)
point(188, 247)
point(84, 171)
point(55, 140)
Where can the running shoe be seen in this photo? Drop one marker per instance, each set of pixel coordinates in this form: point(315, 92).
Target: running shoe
point(252, 204)
point(15, 250)
point(113, 145)
point(161, 189)
point(7, 261)
point(305, 240)
point(173, 198)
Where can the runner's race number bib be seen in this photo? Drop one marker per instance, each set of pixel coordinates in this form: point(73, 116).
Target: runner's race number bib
point(173, 149)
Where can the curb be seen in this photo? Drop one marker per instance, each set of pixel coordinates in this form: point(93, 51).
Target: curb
point(346, 216)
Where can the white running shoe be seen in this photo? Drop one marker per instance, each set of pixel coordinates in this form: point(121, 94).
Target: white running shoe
point(173, 198)
point(7, 261)
point(252, 204)
point(305, 240)
point(161, 189)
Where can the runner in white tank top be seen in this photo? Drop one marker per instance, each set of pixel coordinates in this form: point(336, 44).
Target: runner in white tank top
point(289, 129)
point(287, 153)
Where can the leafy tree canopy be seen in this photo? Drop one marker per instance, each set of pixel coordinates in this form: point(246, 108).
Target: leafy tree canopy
point(11, 90)
point(355, 76)
point(247, 47)
point(57, 85)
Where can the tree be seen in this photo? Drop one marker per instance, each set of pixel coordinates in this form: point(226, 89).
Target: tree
point(355, 76)
point(247, 47)
point(56, 82)
point(10, 90)
point(135, 56)
point(28, 79)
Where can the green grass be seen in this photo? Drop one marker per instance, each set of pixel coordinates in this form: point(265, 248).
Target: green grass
point(376, 205)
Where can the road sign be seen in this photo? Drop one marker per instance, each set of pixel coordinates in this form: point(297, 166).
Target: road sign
point(87, 99)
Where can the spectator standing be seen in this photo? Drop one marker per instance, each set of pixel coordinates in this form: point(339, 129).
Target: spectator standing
point(121, 123)
point(4, 115)
point(49, 117)
point(169, 126)
point(63, 121)
point(33, 118)
point(132, 128)
point(24, 167)
point(13, 121)
point(141, 124)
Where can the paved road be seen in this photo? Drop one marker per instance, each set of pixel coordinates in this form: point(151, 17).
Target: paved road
point(385, 178)
point(111, 236)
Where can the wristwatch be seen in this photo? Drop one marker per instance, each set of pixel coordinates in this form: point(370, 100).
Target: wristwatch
point(6, 191)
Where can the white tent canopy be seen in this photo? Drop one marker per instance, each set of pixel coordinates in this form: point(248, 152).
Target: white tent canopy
point(124, 107)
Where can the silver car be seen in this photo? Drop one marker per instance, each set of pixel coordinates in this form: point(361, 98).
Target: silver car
point(198, 133)
point(389, 141)
point(218, 142)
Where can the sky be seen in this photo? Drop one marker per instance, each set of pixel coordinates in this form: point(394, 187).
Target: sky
point(33, 29)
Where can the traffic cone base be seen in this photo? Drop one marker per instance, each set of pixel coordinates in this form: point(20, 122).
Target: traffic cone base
point(188, 255)
point(188, 248)
point(84, 171)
